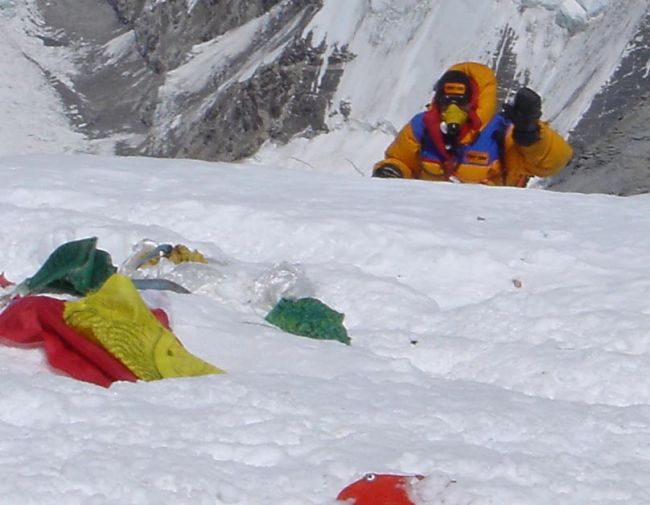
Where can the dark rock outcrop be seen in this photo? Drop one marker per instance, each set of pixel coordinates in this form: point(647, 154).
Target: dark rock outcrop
point(612, 139)
point(127, 10)
point(166, 31)
point(279, 101)
point(504, 64)
point(618, 162)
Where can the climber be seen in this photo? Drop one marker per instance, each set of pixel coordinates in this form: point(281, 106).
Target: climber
point(462, 138)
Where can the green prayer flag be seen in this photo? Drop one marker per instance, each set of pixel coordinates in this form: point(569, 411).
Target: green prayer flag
point(309, 317)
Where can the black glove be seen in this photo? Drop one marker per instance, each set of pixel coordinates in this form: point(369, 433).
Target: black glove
point(525, 112)
point(388, 172)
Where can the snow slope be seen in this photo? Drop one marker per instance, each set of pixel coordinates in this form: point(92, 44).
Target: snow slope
point(499, 339)
point(33, 116)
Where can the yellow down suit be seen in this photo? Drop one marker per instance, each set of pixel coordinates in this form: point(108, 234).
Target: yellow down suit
point(486, 152)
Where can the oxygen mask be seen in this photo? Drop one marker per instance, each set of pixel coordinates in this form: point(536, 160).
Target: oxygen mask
point(453, 117)
point(453, 98)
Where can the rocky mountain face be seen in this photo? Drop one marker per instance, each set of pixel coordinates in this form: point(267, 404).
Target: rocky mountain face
point(618, 162)
point(612, 140)
point(144, 41)
point(215, 79)
point(166, 31)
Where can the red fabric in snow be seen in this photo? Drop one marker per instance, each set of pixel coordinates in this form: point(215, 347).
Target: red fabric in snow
point(39, 320)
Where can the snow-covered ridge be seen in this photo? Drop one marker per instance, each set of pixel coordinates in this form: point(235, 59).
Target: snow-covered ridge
point(499, 339)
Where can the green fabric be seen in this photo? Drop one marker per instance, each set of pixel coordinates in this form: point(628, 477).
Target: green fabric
point(309, 317)
point(75, 267)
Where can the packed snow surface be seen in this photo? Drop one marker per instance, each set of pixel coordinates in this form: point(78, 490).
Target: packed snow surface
point(499, 340)
point(499, 336)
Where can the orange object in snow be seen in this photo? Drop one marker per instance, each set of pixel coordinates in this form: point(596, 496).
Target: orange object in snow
point(380, 489)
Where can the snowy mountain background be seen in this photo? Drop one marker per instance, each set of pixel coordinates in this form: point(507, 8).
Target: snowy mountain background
point(326, 84)
point(499, 336)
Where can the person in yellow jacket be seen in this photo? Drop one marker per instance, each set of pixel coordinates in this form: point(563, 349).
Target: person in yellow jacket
point(462, 138)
